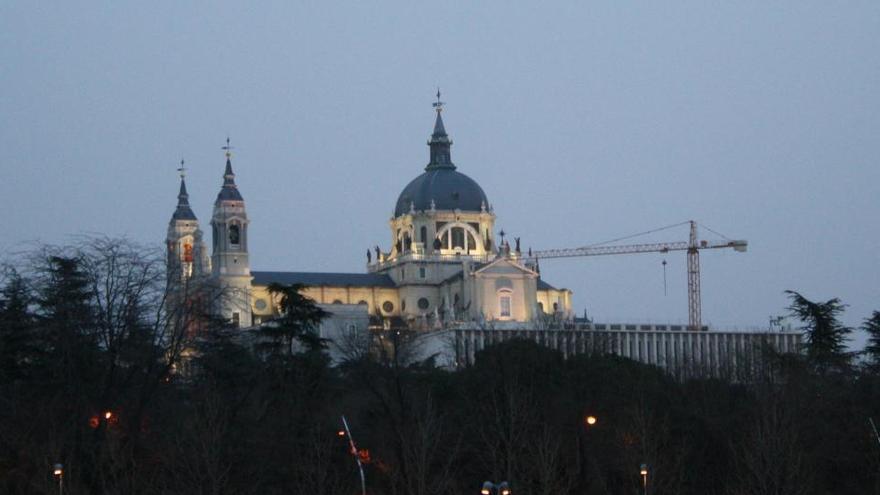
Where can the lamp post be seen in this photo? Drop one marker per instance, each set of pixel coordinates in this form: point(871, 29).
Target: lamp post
point(643, 471)
point(58, 473)
point(355, 453)
point(584, 444)
point(490, 488)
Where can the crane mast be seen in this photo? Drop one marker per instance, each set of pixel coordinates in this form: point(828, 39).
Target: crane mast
point(693, 247)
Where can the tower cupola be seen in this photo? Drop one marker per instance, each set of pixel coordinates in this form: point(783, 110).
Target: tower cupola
point(187, 255)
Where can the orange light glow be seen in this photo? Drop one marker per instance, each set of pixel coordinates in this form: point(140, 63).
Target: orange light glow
point(57, 472)
point(484, 491)
point(94, 422)
point(108, 415)
point(341, 433)
point(591, 420)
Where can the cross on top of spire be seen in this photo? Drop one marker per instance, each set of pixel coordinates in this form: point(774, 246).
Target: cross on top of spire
point(228, 148)
point(438, 105)
point(181, 169)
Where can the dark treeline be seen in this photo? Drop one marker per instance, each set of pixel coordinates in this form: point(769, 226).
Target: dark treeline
point(89, 329)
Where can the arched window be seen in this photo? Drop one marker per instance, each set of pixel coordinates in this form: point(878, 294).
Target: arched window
point(471, 242)
point(423, 234)
point(234, 235)
point(458, 238)
point(504, 303)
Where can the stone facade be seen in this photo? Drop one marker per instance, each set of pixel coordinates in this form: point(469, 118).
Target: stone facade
point(445, 264)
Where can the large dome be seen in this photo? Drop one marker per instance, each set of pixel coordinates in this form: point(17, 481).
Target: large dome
point(448, 189)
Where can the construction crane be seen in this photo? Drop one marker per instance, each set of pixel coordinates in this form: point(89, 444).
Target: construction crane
point(693, 247)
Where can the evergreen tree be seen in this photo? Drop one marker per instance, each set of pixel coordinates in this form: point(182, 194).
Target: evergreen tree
point(19, 346)
point(826, 335)
point(299, 319)
point(872, 349)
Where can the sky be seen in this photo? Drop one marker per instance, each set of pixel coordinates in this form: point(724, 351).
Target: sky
point(582, 121)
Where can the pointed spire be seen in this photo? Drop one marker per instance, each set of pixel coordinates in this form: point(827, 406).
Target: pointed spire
point(183, 211)
point(229, 191)
point(440, 143)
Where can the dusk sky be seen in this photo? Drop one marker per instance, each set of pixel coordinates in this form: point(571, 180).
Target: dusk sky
point(582, 121)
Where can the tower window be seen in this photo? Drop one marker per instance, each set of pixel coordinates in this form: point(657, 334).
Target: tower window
point(422, 272)
point(234, 235)
point(236, 319)
point(423, 303)
point(187, 253)
point(387, 306)
point(423, 234)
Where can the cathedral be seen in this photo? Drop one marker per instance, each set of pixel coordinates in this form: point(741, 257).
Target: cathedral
point(445, 275)
point(445, 265)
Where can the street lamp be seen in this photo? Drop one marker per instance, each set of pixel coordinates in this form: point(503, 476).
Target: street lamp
point(490, 488)
point(591, 420)
point(354, 451)
point(58, 472)
point(643, 470)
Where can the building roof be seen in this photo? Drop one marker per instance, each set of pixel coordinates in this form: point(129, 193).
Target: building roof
point(447, 188)
point(542, 285)
point(324, 279)
point(441, 184)
point(229, 191)
point(183, 211)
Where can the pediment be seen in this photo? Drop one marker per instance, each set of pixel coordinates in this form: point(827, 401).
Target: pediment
point(505, 266)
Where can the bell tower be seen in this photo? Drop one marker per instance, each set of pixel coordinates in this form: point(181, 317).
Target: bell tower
point(187, 256)
point(231, 269)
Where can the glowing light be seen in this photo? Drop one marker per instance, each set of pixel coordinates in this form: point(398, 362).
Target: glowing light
point(94, 422)
point(58, 470)
point(108, 415)
point(341, 433)
point(591, 420)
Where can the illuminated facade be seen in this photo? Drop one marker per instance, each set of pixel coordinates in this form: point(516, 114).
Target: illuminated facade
point(445, 266)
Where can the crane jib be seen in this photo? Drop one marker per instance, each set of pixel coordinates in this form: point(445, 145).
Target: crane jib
point(692, 247)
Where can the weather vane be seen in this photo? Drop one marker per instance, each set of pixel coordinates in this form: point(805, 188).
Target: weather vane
point(228, 148)
point(438, 105)
point(182, 169)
